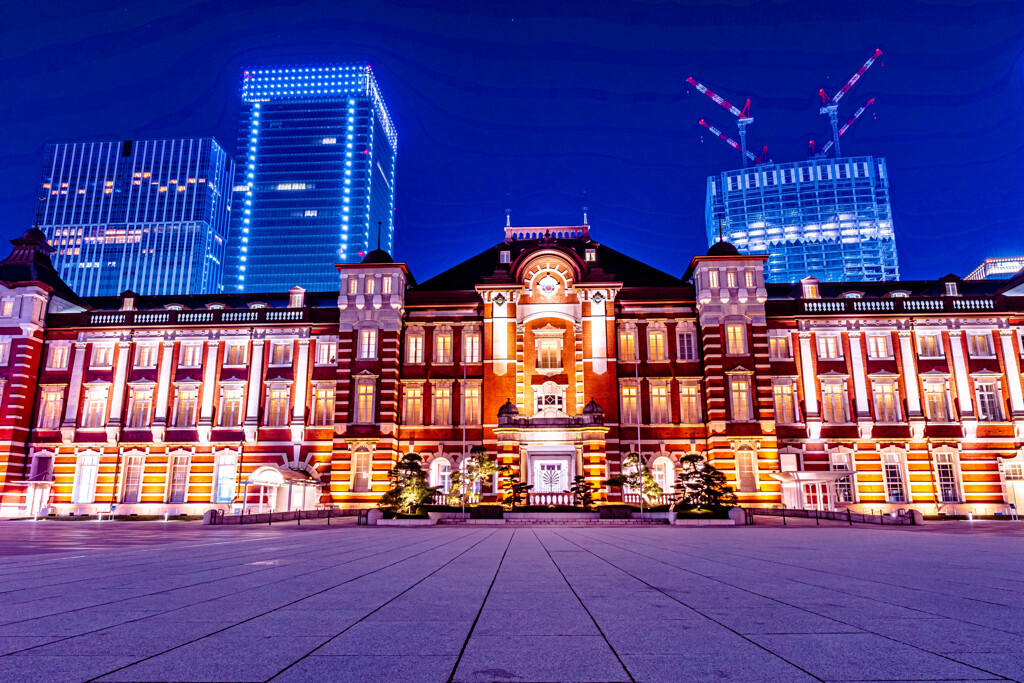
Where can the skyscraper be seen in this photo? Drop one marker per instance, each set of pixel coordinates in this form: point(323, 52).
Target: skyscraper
point(997, 268)
point(151, 216)
point(317, 178)
point(827, 218)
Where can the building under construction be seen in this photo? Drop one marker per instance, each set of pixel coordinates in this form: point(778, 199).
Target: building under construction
point(829, 218)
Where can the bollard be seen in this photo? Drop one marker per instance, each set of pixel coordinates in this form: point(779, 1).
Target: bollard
point(849, 516)
point(329, 516)
point(783, 516)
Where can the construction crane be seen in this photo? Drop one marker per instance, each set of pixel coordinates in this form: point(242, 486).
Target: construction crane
point(743, 119)
point(830, 106)
point(856, 115)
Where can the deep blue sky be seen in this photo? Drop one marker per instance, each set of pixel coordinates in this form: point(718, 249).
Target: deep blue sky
point(544, 107)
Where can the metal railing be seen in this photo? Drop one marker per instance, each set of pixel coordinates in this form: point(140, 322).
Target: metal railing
point(901, 518)
point(899, 305)
point(221, 517)
point(663, 499)
point(225, 316)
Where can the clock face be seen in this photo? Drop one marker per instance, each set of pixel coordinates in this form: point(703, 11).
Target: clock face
point(548, 285)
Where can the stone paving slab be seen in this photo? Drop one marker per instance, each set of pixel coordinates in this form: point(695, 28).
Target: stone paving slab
point(346, 603)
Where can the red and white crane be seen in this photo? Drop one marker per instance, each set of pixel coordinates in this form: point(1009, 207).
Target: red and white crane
point(743, 119)
point(856, 115)
point(830, 106)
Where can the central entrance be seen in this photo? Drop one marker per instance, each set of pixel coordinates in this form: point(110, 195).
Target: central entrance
point(551, 468)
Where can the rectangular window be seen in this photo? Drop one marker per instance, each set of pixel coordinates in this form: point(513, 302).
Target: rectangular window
point(414, 348)
point(471, 348)
point(840, 462)
point(385, 285)
point(367, 344)
point(834, 402)
point(730, 279)
point(549, 355)
point(629, 407)
point(687, 346)
point(102, 356)
point(979, 344)
point(225, 477)
point(929, 346)
point(353, 285)
point(746, 477)
point(892, 470)
point(134, 468)
point(178, 479)
point(779, 348)
point(361, 471)
point(185, 407)
point(7, 308)
point(740, 393)
point(659, 405)
point(945, 471)
point(656, 346)
point(935, 403)
point(95, 414)
point(591, 255)
point(713, 279)
point(829, 347)
point(5, 351)
point(371, 285)
point(234, 354)
point(230, 407)
point(748, 279)
point(627, 346)
point(878, 346)
point(364, 403)
point(689, 400)
point(58, 358)
point(277, 407)
point(989, 402)
point(191, 356)
point(886, 409)
point(785, 403)
point(735, 339)
point(443, 348)
point(50, 406)
point(281, 353)
point(471, 406)
point(413, 409)
point(139, 403)
point(326, 353)
point(85, 479)
point(323, 407)
point(442, 406)
point(145, 356)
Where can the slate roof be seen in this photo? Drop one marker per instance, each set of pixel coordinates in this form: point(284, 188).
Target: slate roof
point(30, 262)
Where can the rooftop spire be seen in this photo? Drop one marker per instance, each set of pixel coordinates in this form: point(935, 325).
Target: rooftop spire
point(508, 218)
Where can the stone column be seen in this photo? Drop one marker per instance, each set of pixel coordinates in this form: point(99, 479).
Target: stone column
point(1012, 369)
point(163, 391)
point(117, 391)
point(812, 414)
point(914, 415)
point(861, 402)
point(301, 383)
point(67, 425)
point(252, 401)
point(968, 418)
point(209, 391)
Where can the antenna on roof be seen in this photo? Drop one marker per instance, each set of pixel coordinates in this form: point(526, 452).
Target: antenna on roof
point(508, 218)
point(720, 238)
point(378, 235)
point(585, 215)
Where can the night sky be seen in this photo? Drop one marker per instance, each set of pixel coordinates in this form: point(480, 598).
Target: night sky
point(545, 107)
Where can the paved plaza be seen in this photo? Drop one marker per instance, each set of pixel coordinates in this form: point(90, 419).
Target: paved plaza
point(179, 602)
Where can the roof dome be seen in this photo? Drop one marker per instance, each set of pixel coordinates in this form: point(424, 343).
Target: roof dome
point(508, 410)
point(593, 408)
point(378, 256)
point(723, 248)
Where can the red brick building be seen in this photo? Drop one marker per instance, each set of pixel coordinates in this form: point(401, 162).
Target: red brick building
point(555, 352)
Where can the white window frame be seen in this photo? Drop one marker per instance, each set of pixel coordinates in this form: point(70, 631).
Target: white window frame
point(133, 462)
point(937, 336)
point(368, 342)
point(754, 475)
point(471, 416)
point(792, 396)
point(951, 457)
point(76, 490)
point(414, 346)
point(660, 414)
point(686, 391)
point(896, 400)
point(441, 404)
point(326, 352)
point(146, 355)
point(827, 343)
point(57, 356)
point(843, 459)
point(322, 413)
point(365, 414)
point(873, 341)
point(243, 352)
point(101, 356)
point(268, 413)
point(748, 398)
point(280, 353)
point(843, 393)
point(989, 351)
point(135, 393)
point(224, 461)
point(58, 415)
point(178, 389)
point(87, 414)
point(661, 345)
point(687, 350)
point(410, 417)
point(471, 347)
point(928, 386)
point(780, 342)
point(443, 353)
point(735, 339)
point(998, 400)
point(627, 342)
point(894, 461)
point(188, 349)
point(226, 389)
point(173, 459)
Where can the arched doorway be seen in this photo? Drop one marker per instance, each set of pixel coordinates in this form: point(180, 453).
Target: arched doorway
point(282, 490)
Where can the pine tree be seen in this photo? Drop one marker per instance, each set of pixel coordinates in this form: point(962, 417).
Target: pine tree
point(516, 489)
point(477, 466)
point(701, 485)
point(409, 487)
point(637, 476)
point(582, 492)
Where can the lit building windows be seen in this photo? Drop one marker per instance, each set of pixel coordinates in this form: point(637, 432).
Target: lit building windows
point(946, 476)
point(730, 279)
point(140, 401)
point(323, 407)
point(185, 402)
point(471, 406)
point(94, 415)
point(659, 405)
point(935, 401)
point(371, 285)
point(326, 352)
point(50, 405)
point(746, 470)
point(627, 346)
point(385, 285)
point(930, 345)
point(886, 402)
point(443, 347)
point(628, 396)
point(57, 358)
point(713, 279)
point(285, 187)
point(442, 412)
point(102, 356)
point(281, 353)
point(740, 395)
point(549, 356)
point(365, 408)
point(748, 279)
point(834, 402)
point(277, 407)
point(234, 354)
point(656, 346)
point(689, 399)
point(145, 356)
point(6, 308)
point(989, 400)
point(591, 255)
point(735, 339)
point(892, 471)
point(785, 403)
point(980, 344)
point(412, 410)
point(829, 347)
point(191, 356)
point(414, 347)
point(471, 347)
point(367, 344)
point(353, 285)
point(878, 346)
point(780, 348)
point(230, 407)
point(361, 471)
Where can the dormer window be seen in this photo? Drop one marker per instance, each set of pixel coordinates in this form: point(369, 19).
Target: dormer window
point(128, 303)
point(215, 307)
point(174, 307)
point(899, 295)
point(853, 295)
point(505, 257)
point(257, 304)
point(296, 297)
point(951, 289)
point(591, 255)
point(810, 289)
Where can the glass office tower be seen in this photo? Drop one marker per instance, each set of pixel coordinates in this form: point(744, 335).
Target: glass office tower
point(150, 216)
point(318, 176)
point(826, 218)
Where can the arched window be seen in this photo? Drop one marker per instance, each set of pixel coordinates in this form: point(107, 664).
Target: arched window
point(549, 397)
point(441, 474)
point(361, 471)
point(663, 470)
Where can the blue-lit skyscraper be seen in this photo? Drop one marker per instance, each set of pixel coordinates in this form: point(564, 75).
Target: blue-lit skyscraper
point(316, 175)
point(826, 218)
point(150, 216)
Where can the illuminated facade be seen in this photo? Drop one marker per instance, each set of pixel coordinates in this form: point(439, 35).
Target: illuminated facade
point(555, 352)
point(826, 218)
point(150, 216)
point(997, 268)
point(318, 176)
